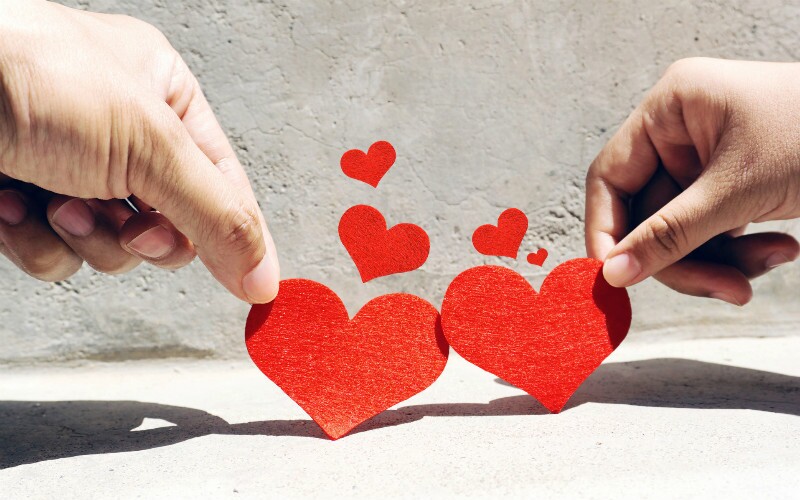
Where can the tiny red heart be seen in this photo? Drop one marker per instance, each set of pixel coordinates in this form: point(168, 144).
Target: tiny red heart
point(545, 343)
point(378, 251)
point(344, 371)
point(503, 239)
point(369, 167)
point(538, 258)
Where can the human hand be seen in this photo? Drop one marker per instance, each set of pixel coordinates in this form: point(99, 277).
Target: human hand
point(98, 108)
point(714, 146)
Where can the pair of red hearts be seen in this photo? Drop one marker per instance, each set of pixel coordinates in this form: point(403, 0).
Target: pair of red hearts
point(375, 249)
point(344, 371)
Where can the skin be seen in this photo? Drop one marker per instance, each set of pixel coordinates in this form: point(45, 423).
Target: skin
point(98, 108)
point(712, 148)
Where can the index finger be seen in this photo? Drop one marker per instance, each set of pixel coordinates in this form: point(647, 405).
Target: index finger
point(225, 224)
point(186, 98)
point(621, 169)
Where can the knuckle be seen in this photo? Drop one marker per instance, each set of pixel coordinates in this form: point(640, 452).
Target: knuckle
point(176, 263)
point(666, 233)
point(152, 124)
point(51, 267)
point(685, 67)
point(243, 232)
point(153, 143)
point(144, 29)
point(591, 172)
point(114, 267)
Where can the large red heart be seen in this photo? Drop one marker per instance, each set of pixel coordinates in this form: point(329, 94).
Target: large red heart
point(504, 238)
point(341, 371)
point(546, 344)
point(369, 167)
point(378, 251)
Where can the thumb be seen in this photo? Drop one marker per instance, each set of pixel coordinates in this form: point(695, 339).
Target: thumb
point(682, 225)
point(222, 220)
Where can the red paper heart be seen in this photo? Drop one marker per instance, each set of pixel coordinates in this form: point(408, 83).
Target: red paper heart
point(377, 251)
point(504, 238)
point(538, 258)
point(341, 371)
point(369, 167)
point(545, 343)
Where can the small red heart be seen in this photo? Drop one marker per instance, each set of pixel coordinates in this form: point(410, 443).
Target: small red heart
point(538, 258)
point(545, 343)
point(342, 371)
point(377, 251)
point(504, 239)
point(369, 167)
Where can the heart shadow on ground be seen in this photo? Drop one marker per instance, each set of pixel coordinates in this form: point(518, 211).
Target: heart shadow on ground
point(33, 431)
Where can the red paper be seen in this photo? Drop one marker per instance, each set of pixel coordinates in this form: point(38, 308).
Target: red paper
point(377, 251)
point(341, 371)
point(503, 239)
point(546, 344)
point(538, 258)
point(369, 167)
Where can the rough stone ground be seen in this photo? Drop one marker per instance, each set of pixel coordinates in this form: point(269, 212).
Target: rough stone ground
point(707, 418)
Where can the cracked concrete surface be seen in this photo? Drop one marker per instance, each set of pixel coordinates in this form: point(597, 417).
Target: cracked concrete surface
point(490, 104)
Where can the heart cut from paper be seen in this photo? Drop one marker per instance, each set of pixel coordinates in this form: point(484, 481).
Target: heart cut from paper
point(378, 251)
point(344, 371)
point(545, 343)
point(538, 258)
point(369, 167)
point(502, 240)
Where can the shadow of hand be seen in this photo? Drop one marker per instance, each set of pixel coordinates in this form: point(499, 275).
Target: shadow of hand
point(33, 431)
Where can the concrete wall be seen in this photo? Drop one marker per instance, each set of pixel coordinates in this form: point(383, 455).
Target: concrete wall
point(490, 104)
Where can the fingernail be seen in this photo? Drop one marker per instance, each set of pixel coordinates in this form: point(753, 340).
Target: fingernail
point(12, 208)
point(261, 284)
point(154, 243)
point(621, 270)
point(725, 298)
point(776, 259)
point(75, 217)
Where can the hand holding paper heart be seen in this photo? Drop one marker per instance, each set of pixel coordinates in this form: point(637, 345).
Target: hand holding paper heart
point(712, 148)
point(76, 140)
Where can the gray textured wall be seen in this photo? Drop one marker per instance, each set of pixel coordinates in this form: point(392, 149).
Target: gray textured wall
point(490, 104)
